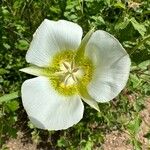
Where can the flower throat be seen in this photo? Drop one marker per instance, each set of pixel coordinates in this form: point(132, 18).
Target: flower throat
point(66, 75)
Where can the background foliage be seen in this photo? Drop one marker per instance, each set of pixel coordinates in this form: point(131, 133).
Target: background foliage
point(127, 20)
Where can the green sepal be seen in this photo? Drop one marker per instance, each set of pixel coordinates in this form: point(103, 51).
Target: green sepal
point(87, 98)
point(81, 50)
point(34, 70)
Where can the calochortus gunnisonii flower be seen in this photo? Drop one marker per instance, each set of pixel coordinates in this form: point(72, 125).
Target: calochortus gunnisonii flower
point(69, 71)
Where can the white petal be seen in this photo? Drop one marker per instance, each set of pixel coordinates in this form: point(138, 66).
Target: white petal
point(112, 66)
point(52, 37)
point(46, 108)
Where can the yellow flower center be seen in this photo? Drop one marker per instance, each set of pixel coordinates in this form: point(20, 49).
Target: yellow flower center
point(67, 76)
point(70, 73)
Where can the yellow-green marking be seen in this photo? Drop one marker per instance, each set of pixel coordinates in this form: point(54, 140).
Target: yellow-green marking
point(66, 75)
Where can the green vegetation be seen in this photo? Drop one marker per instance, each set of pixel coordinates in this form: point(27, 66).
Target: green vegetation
point(127, 21)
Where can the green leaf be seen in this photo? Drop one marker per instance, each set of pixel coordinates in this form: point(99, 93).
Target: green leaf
point(137, 144)
point(13, 105)
point(8, 97)
point(3, 71)
point(108, 2)
point(135, 80)
point(137, 26)
point(119, 5)
point(89, 145)
point(123, 24)
point(22, 45)
point(7, 46)
point(144, 64)
point(61, 142)
point(98, 20)
point(134, 126)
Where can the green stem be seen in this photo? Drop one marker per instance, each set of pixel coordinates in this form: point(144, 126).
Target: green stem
point(8, 97)
point(139, 44)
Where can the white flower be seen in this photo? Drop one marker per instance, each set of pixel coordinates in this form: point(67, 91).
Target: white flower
point(95, 69)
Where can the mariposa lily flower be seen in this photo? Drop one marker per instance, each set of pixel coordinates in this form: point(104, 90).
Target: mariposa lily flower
point(69, 71)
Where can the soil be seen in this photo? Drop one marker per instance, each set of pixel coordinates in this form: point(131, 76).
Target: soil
point(121, 141)
point(20, 143)
point(116, 140)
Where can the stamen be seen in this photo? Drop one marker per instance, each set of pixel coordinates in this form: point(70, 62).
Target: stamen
point(73, 77)
point(69, 72)
point(65, 65)
point(75, 70)
point(66, 80)
point(72, 65)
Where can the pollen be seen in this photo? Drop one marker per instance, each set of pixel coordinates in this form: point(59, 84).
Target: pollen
point(66, 76)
